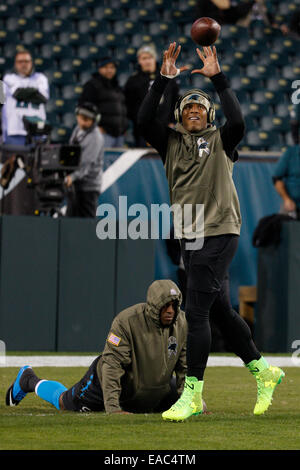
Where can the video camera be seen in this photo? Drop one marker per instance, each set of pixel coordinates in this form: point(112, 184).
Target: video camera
point(46, 165)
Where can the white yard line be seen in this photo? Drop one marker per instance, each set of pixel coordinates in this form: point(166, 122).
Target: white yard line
point(85, 361)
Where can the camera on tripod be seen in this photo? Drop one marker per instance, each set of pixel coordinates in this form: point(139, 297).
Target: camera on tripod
point(46, 165)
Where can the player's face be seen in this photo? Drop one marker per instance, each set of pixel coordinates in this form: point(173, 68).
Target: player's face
point(108, 71)
point(23, 64)
point(84, 122)
point(147, 62)
point(167, 314)
point(194, 117)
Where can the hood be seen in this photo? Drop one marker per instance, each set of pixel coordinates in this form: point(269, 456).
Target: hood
point(159, 294)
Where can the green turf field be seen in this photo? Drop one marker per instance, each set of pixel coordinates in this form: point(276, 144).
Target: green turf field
point(230, 394)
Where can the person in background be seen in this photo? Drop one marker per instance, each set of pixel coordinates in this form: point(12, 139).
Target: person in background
point(103, 90)
point(26, 93)
point(286, 179)
point(137, 87)
point(84, 184)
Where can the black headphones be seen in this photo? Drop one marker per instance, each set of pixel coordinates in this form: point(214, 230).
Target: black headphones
point(196, 91)
point(89, 110)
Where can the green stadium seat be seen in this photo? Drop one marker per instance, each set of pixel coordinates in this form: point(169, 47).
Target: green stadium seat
point(36, 38)
point(92, 26)
point(263, 140)
point(71, 92)
point(108, 13)
point(278, 84)
point(143, 15)
point(72, 12)
point(60, 78)
point(20, 24)
point(276, 59)
point(43, 64)
point(239, 58)
point(275, 123)
point(163, 29)
point(60, 106)
point(260, 71)
point(242, 82)
point(50, 25)
point(92, 52)
point(108, 40)
point(73, 38)
point(60, 134)
point(76, 65)
point(290, 72)
point(127, 27)
point(255, 110)
point(55, 51)
point(69, 120)
point(38, 11)
point(270, 97)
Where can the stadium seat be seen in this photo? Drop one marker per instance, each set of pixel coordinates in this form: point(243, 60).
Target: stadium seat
point(234, 32)
point(108, 13)
point(36, 38)
point(230, 69)
point(270, 97)
point(60, 78)
point(42, 63)
point(76, 65)
point(263, 140)
point(274, 123)
point(276, 59)
point(92, 26)
point(69, 120)
point(255, 110)
point(20, 24)
point(38, 12)
point(282, 110)
point(278, 84)
point(61, 106)
point(251, 123)
point(50, 25)
point(92, 52)
point(142, 15)
point(163, 29)
point(238, 58)
point(127, 27)
point(242, 82)
point(287, 46)
point(71, 12)
point(108, 40)
point(71, 92)
point(55, 51)
point(260, 71)
point(60, 134)
point(290, 72)
point(73, 38)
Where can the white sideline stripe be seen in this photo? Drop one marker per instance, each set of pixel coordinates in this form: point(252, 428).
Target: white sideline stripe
point(120, 166)
point(85, 361)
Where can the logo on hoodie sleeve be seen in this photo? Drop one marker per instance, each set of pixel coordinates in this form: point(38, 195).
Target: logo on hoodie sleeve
point(114, 339)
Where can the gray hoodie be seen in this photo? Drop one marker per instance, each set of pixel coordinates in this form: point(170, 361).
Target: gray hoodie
point(88, 176)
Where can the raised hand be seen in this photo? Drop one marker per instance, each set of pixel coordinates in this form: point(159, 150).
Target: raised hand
point(169, 61)
point(210, 62)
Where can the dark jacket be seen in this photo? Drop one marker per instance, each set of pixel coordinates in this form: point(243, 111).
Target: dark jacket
point(141, 355)
point(110, 99)
point(135, 90)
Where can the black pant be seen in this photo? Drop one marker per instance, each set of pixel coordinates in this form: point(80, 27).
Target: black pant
point(82, 203)
point(207, 287)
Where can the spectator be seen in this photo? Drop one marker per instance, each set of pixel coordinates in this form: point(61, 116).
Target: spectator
point(138, 85)
point(104, 91)
point(85, 182)
point(145, 346)
point(286, 178)
point(26, 93)
point(225, 11)
point(292, 27)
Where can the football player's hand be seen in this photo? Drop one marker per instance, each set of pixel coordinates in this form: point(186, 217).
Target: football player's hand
point(210, 62)
point(169, 61)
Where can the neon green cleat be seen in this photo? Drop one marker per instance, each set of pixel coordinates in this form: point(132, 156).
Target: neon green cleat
point(267, 378)
point(190, 403)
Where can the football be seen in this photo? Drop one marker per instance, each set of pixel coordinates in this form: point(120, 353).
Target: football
point(205, 31)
